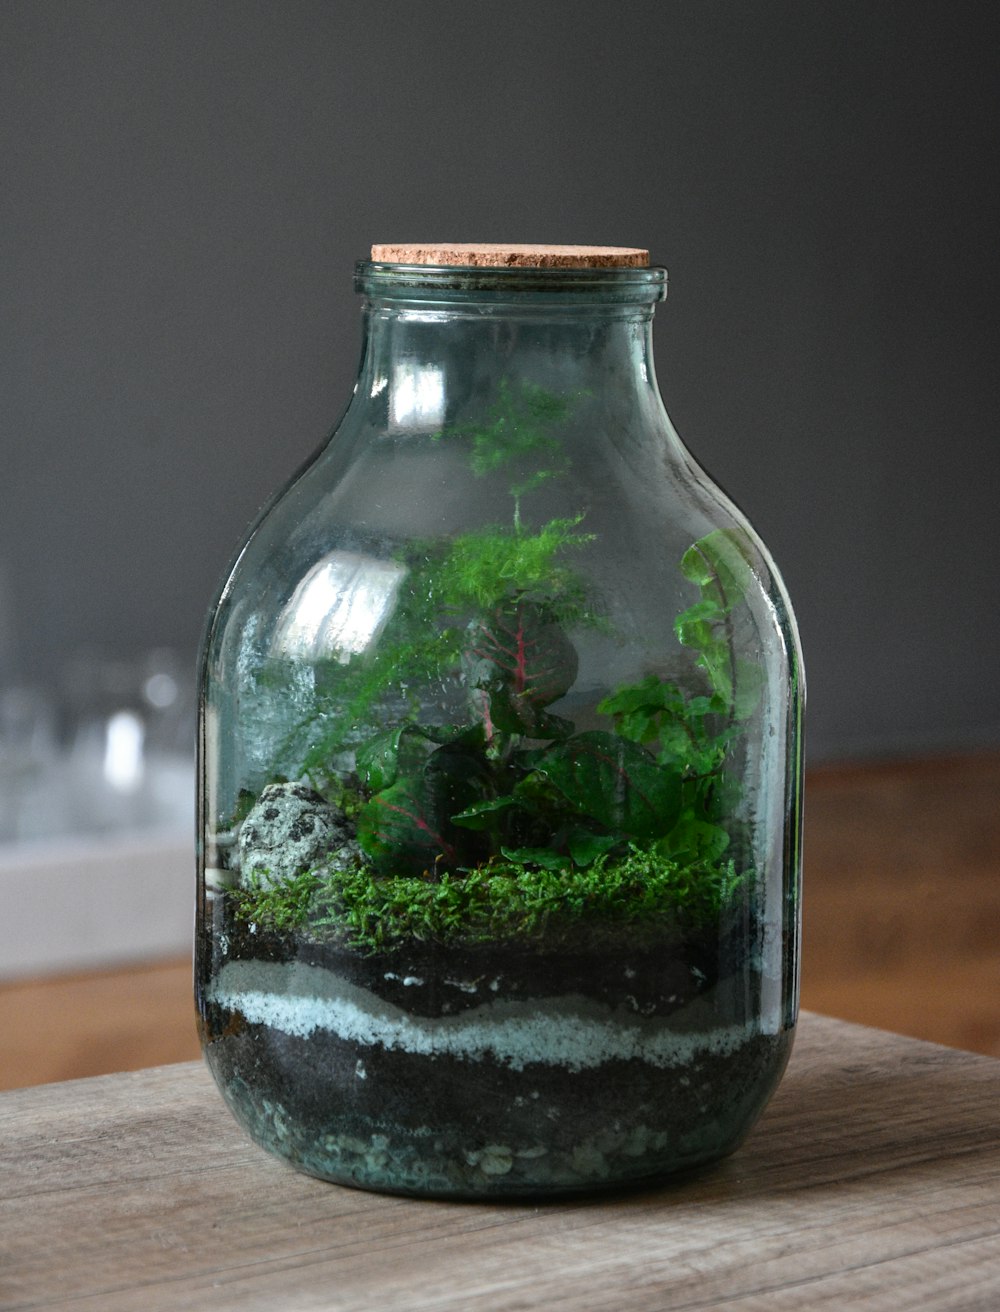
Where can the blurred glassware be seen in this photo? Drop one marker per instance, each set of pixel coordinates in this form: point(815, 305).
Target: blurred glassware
point(112, 750)
point(131, 741)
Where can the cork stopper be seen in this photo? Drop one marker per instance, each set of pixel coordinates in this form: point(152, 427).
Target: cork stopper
point(496, 255)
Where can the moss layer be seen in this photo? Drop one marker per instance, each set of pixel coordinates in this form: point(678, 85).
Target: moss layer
point(641, 895)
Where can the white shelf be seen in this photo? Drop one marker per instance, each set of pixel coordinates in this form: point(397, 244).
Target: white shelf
point(90, 902)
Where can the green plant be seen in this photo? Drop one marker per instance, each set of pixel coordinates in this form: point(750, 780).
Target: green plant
point(517, 780)
point(511, 817)
point(692, 732)
point(637, 898)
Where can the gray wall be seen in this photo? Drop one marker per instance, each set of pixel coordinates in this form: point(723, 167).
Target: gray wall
point(185, 185)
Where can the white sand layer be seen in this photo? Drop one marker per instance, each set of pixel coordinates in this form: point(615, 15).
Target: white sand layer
point(569, 1031)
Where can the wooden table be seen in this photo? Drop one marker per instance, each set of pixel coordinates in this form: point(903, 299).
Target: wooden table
point(872, 1182)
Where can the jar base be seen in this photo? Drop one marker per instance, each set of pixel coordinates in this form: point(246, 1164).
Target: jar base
point(564, 1132)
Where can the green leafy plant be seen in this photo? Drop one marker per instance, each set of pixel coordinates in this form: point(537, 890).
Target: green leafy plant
point(522, 427)
point(693, 732)
point(509, 820)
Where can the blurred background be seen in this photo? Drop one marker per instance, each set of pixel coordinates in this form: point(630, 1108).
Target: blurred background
point(186, 186)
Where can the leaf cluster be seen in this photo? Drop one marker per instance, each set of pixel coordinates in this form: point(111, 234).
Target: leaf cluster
point(693, 732)
point(445, 586)
point(521, 429)
point(515, 779)
point(718, 565)
point(510, 818)
point(519, 783)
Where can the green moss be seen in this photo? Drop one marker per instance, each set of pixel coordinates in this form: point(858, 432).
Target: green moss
point(280, 907)
point(640, 895)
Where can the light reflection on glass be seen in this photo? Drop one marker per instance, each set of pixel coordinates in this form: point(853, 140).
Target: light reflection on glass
point(123, 764)
point(416, 398)
point(339, 608)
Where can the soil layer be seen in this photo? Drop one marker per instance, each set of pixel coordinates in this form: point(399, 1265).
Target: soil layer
point(454, 1123)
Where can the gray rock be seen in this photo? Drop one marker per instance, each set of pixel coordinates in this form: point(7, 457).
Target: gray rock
point(345, 858)
point(290, 829)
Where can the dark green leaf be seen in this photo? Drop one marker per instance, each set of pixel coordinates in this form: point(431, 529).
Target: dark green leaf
point(639, 709)
point(380, 759)
point(408, 825)
point(585, 847)
point(682, 730)
point(616, 782)
point(517, 662)
point(401, 828)
point(719, 565)
point(481, 815)
point(692, 839)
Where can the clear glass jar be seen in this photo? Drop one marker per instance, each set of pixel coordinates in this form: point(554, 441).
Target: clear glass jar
point(500, 766)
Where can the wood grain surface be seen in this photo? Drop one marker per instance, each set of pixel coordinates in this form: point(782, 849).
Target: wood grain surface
point(872, 1182)
point(901, 899)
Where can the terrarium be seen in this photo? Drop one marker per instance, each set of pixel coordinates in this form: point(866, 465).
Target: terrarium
point(500, 760)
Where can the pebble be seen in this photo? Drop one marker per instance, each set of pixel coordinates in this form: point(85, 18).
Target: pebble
point(290, 829)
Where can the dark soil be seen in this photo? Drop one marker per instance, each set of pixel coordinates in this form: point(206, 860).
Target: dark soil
point(444, 1125)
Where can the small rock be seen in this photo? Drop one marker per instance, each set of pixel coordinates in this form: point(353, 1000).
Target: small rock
point(538, 1150)
point(495, 1159)
point(290, 829)
point(345, 858)
point(588, 1161)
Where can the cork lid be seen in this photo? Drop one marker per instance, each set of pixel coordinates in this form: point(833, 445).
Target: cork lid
point(501, 255)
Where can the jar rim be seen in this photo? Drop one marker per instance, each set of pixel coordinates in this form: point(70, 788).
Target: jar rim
point(638, 284)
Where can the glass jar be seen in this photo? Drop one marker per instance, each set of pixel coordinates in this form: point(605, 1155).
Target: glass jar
point(500, 762)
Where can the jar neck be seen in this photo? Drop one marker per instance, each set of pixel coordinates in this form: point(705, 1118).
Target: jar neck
point(442, 341)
